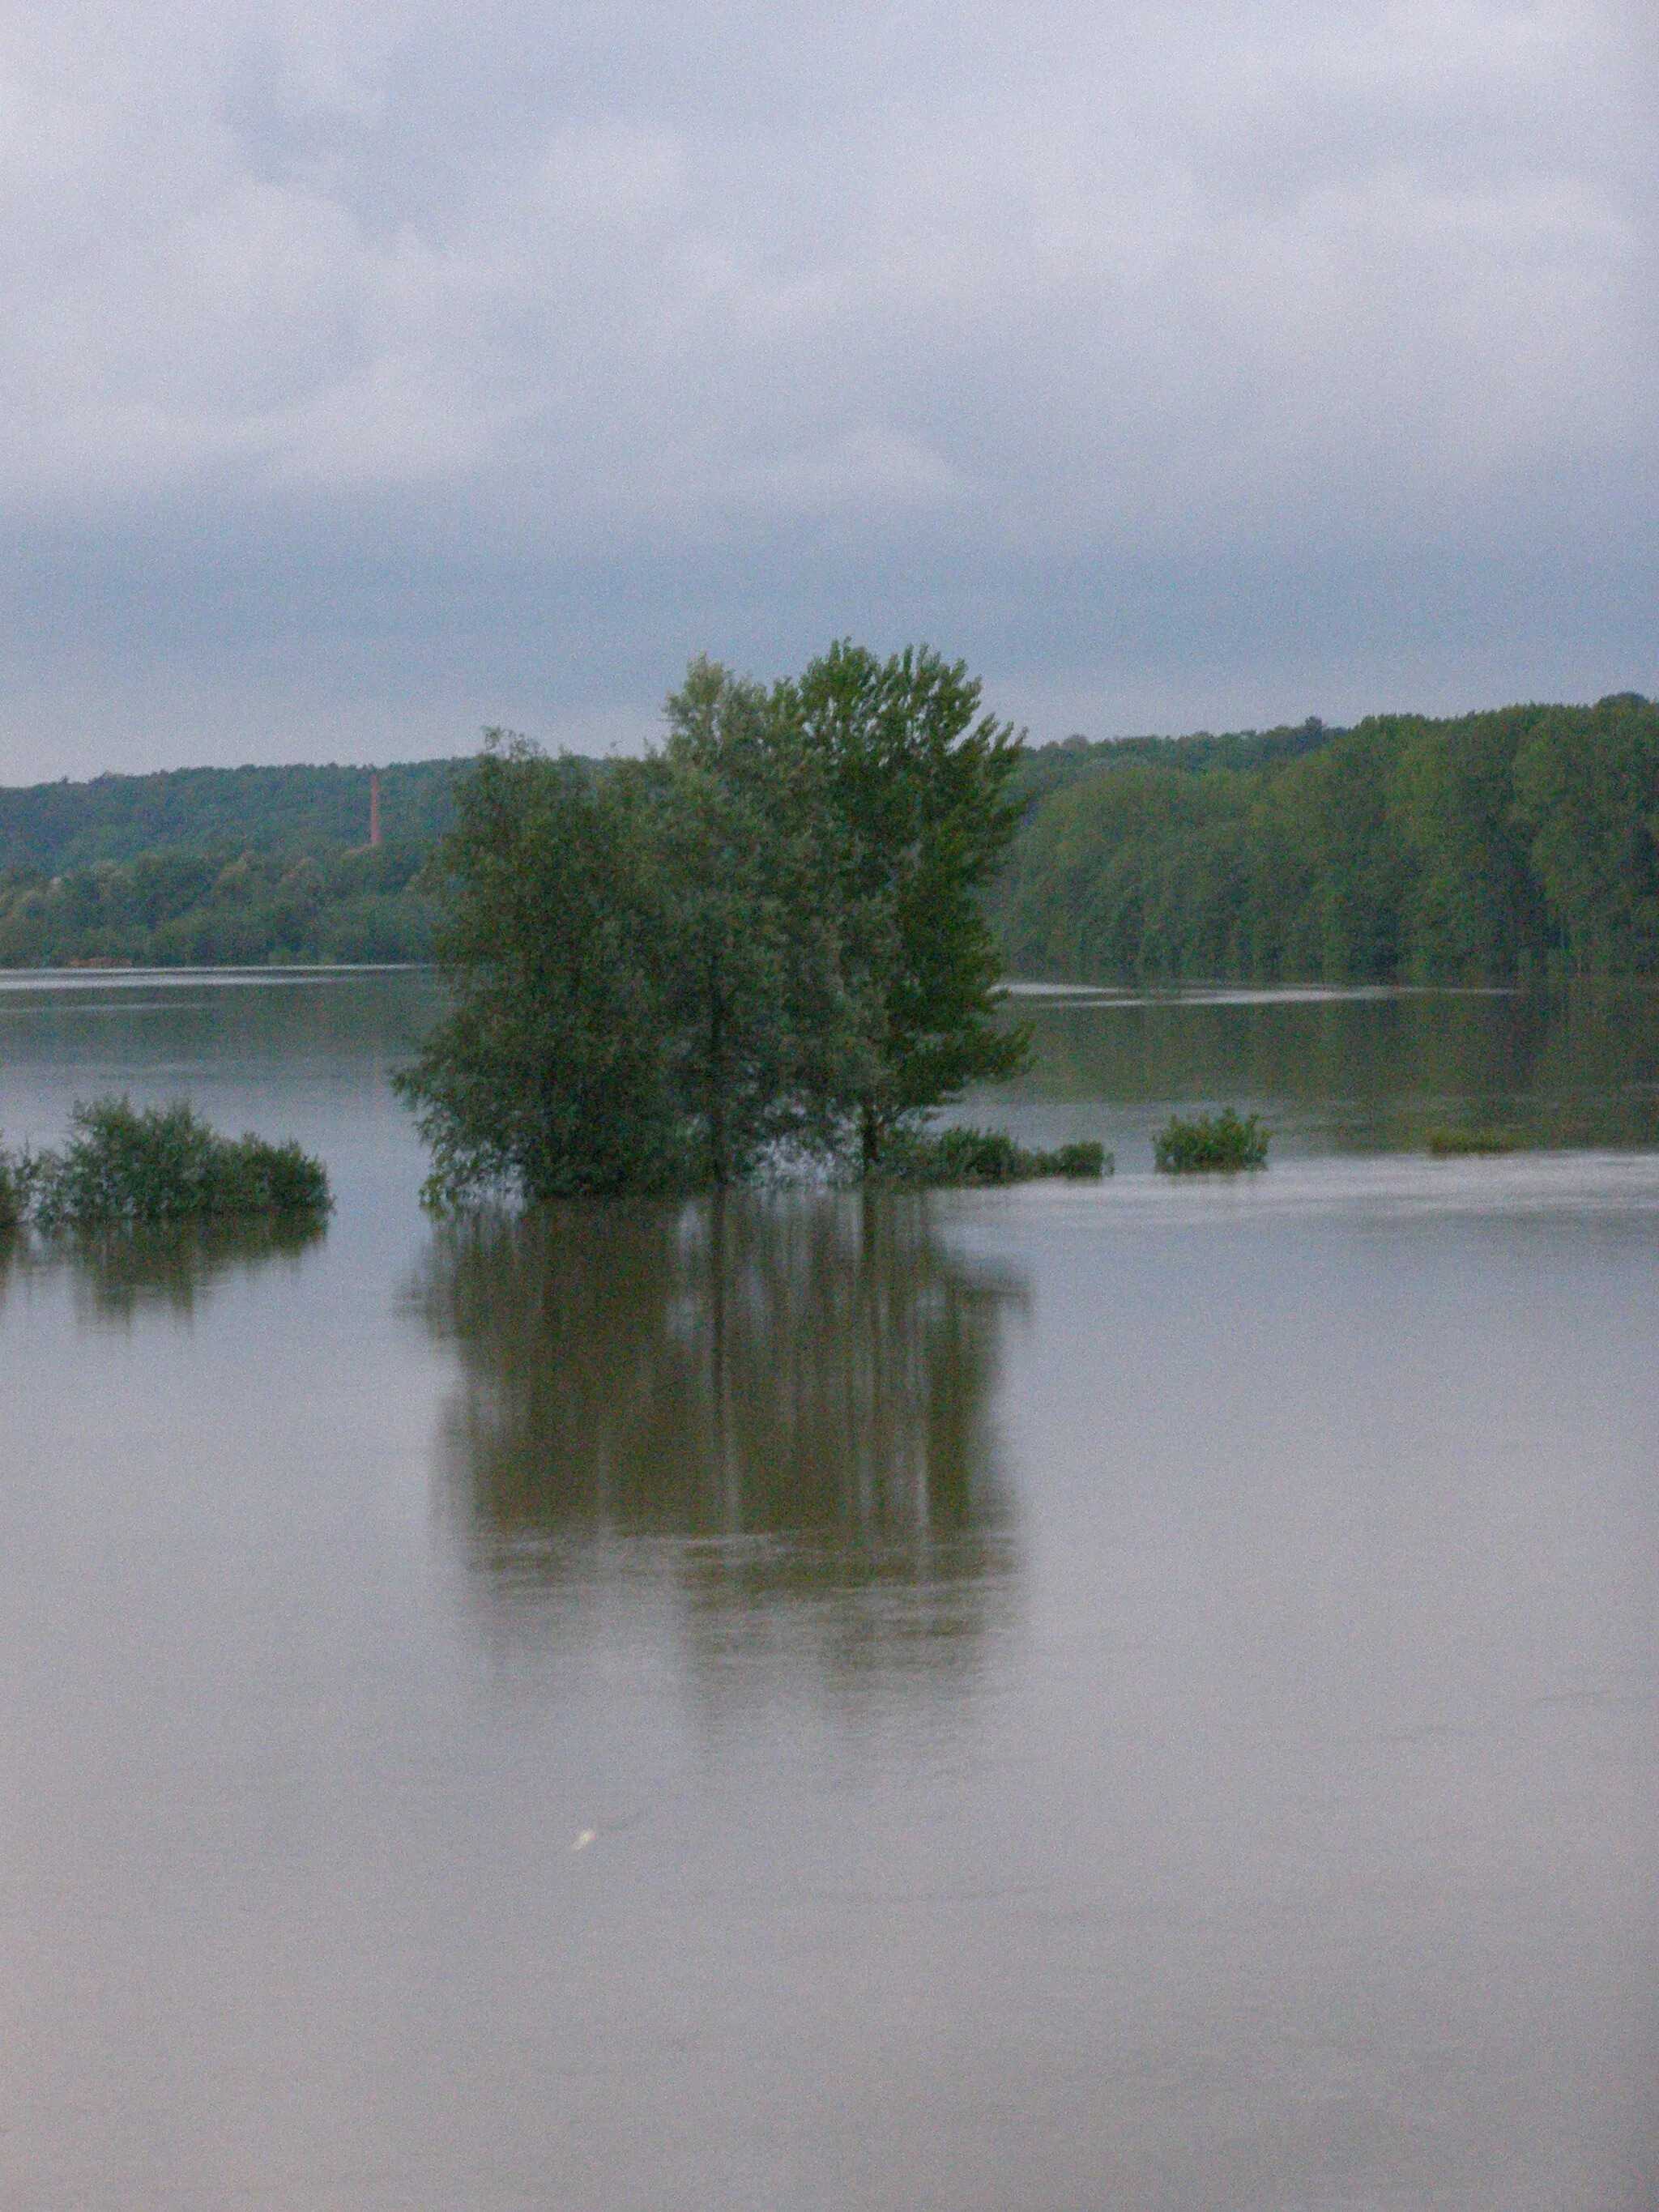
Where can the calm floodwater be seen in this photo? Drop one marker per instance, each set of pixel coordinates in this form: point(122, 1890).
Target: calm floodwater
point(1131, 1698)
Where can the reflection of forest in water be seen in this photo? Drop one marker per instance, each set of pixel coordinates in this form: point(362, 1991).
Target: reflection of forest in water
point(791, 1393)
point(1578, 1065)
point(173, 1269)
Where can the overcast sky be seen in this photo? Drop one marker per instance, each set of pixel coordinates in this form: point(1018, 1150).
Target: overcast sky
point(370, 372)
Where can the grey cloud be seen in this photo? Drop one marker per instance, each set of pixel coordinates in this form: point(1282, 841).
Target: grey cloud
point(398, 363)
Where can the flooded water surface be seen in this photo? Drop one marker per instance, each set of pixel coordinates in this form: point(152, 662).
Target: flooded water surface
point(1135, 1696)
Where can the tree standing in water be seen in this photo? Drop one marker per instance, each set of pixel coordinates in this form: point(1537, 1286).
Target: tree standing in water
point(763, 939)
point(548, 1076)
point(917, 792)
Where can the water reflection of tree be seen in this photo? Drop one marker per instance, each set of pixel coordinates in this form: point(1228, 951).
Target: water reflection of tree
point(117, 1275)
point(797, 1389)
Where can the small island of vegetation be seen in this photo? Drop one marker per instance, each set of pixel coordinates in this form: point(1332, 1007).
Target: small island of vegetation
point(1209, 1143)
point(944, 1158)
point(758, 950)
point(132, 1168)
point(1477, 1143)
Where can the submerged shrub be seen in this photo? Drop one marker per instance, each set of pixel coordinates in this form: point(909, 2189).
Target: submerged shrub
point(1225, 1141)
point(126, 1164)
point(1451, 1144)
point(976, 1156)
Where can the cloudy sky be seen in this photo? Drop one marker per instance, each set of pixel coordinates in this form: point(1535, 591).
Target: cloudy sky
point(370, 372)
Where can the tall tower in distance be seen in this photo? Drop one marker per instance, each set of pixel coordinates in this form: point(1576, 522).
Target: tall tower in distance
point(374, 806)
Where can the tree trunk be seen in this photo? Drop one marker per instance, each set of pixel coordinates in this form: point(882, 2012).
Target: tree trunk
point(720, 1168)
point(870, 1135)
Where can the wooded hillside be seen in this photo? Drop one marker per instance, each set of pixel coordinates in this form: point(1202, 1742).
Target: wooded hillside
point(221, 866)
point(54, 827)
point(1498, 846)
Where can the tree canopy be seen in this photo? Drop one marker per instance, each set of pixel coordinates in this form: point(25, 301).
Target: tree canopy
point(184, 908)
point(763, 942)
point(1510, 846)
point(1507, 846)
point(915, 781)
point(57, 827)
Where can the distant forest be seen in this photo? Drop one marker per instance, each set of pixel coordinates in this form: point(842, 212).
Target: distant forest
point(1503, 846)
point(1510, 846)
point(213, 866)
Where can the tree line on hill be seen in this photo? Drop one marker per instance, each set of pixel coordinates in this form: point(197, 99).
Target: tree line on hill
point(1499, 846)
point(1503, 846)
point(187, 908)
point(55, 829)
point(221, 866)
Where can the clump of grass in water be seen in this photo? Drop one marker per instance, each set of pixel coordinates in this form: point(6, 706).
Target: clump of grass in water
point(1454, 1144)
point(127, 1167)
point(1206, 1143)
point(950, 1157)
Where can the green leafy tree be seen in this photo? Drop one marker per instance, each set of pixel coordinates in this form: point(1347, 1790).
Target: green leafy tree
point(550, 1074)
point(1473, 910)
point(767, 936)
point(1494, 846)
point(1138, 873)
point(1588, 798)
point(770, 1035)
point(917, 781)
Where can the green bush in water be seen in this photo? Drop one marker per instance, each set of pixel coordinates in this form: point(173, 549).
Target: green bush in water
point(1207, 1142)
point(977, 1157)
point(1450, 1144)
point(127, 1165)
